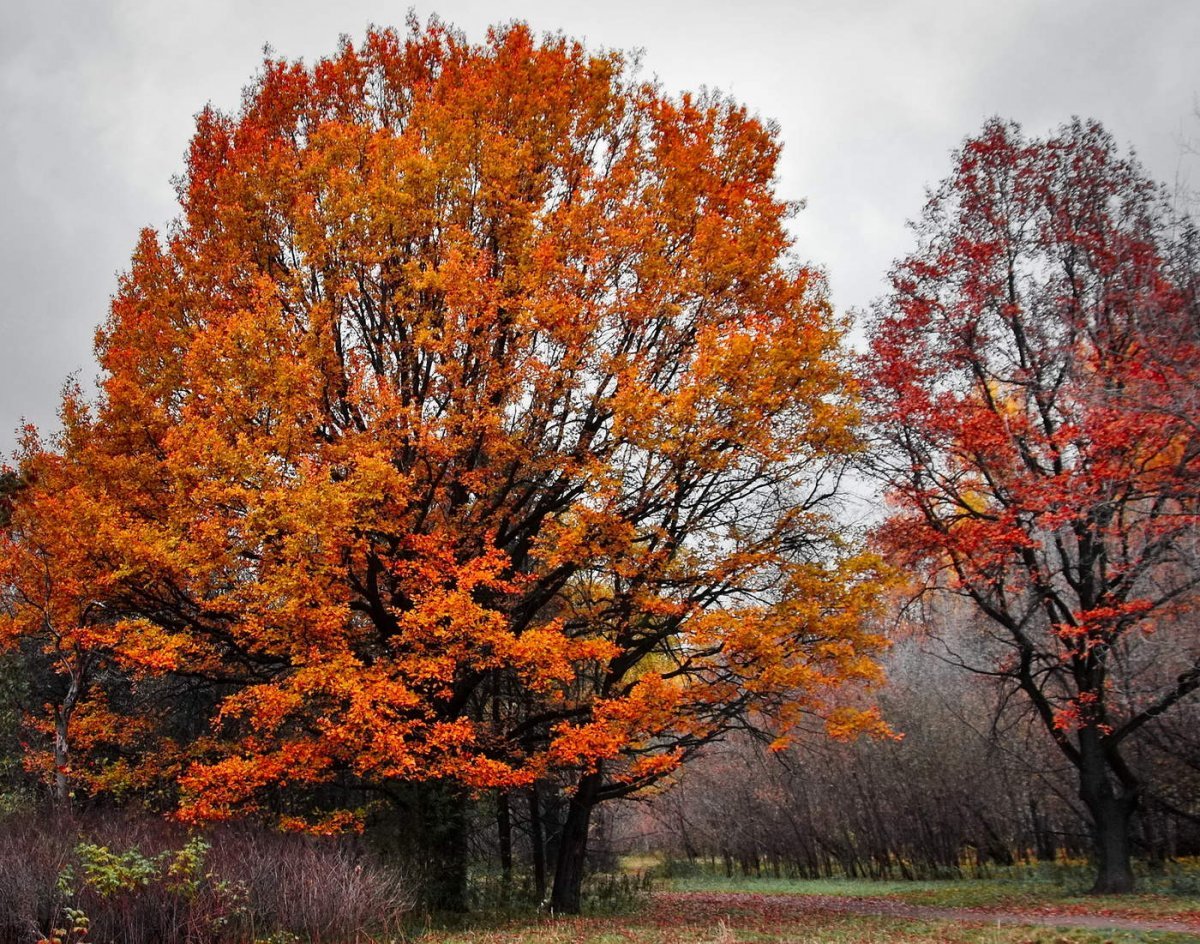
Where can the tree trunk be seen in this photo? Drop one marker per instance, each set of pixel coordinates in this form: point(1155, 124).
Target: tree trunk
point(1111, 833)
point(427, 828)
point(62, 741)
point(1112, 814)
point(1045, 846)
point(572, 851)
point(537, 842)
point(504, 832)
point(444, 822)
point(503, 812)
point(62, 760)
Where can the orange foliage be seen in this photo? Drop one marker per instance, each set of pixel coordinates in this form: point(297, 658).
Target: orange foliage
point(472, 421)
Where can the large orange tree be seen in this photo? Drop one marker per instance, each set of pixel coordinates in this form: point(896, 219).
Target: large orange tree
point(1033, 383)
point(472, 424)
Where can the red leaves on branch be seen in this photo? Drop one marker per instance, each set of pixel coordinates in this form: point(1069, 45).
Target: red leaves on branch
point(1033, 383)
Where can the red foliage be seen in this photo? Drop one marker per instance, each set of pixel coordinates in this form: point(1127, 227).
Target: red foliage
point(1033, 379)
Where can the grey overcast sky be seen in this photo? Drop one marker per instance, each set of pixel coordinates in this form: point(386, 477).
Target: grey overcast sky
point(97, 99)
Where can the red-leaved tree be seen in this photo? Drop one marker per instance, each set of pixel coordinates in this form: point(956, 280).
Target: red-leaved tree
point(1032, 381)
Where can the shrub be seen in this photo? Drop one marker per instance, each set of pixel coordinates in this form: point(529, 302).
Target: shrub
point(131, 879)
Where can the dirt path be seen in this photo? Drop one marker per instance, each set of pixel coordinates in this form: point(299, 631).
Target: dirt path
point(783, 908)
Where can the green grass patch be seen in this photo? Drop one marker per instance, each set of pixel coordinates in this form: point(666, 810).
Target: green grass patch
point(1168, 892)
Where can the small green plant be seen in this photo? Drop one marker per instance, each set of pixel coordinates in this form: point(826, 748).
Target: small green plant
point(185, 868)
point(109, 873)
point(74, 929)
point(71, 925)
point(174, 880)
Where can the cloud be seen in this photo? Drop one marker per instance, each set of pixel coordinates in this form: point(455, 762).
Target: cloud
point(97, 102)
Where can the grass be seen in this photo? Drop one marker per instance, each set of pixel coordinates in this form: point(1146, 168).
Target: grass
point(648, 928)
point(712, 909)
point(1172, 893)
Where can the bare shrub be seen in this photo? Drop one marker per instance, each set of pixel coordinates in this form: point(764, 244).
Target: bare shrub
point(140, 880)
point(317, 889)
point(33, 852)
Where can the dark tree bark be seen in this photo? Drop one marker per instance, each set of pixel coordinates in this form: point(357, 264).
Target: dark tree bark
point(426, 828)
point(443, 818)
point(572, 850)
point(1045, 847)
point(537, 842)
point(1111, 808)
point(504, 831)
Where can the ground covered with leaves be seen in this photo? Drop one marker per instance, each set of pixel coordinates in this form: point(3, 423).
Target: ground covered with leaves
point(992, 912)
point(1044, 893)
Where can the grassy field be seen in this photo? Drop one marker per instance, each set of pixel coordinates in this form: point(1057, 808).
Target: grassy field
point(1024, 894)
point(658, 925)
point(711, 909)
